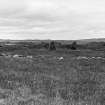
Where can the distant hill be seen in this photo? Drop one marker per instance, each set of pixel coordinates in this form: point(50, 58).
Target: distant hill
point(82, 41)
point(91, 40)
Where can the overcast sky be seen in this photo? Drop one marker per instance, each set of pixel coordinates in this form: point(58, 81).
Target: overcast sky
point(52, 19)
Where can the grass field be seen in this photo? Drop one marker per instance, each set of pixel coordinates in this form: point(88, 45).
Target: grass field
point(45, 79)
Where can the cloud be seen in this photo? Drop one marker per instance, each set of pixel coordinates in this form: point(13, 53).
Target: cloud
point(59, 19)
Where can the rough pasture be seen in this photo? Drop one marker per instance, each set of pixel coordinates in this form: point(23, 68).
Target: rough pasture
point(57, 77)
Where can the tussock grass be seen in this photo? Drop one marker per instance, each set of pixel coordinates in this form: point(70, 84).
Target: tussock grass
point(44, 80)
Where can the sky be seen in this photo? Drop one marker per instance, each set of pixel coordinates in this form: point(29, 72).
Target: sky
point(52, 19)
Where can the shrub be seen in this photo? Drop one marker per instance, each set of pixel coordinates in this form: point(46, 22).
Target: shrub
point(74, 46)
point(52, 46)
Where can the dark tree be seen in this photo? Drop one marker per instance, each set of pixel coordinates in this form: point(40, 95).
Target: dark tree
point(74, 45)
point(52, 46)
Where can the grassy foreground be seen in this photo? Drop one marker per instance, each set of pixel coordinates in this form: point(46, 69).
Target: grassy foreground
point(47, 80)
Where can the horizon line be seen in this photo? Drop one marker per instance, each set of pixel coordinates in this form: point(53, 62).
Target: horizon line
point(55, 39)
